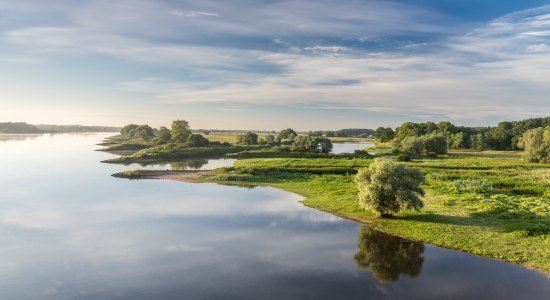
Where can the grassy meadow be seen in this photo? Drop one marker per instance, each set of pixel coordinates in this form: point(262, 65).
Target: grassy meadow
point(491, 206)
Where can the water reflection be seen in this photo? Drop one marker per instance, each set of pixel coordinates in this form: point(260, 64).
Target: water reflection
point(68, 230)
point(17, 137)
point(187, 164)
point(388, 256)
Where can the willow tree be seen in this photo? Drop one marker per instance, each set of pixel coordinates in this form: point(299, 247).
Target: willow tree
point(387, 187)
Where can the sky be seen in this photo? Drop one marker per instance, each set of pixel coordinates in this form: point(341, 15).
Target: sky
point(268, 65)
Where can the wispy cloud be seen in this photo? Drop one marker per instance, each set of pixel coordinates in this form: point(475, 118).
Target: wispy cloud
point(375, 56)
point(191, 13)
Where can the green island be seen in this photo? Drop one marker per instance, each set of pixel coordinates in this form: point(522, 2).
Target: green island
point(487, 189)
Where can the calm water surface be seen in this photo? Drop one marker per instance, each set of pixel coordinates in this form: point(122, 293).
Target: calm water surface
point(68, 230)
point(349, 147)
point(187, 164)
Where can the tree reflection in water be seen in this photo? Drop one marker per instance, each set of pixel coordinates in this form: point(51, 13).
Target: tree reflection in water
point(388, 256)
point(188, 164)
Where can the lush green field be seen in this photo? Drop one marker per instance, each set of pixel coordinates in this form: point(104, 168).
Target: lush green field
point(495, 207)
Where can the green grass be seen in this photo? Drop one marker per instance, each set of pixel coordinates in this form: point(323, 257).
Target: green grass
point(171, 152)
point(494, 207)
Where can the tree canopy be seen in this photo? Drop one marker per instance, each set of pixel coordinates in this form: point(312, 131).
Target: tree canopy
point(536, 144)
point(180, 131)
point(312, 143)
point(163, 135)
point(249, 138)
point(144, 132)
point(386, 187)
point(384, 134)
point(196, 140)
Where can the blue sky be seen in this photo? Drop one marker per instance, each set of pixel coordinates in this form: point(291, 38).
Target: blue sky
point(274, 64)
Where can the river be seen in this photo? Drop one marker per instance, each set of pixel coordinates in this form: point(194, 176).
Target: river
point(69, 230)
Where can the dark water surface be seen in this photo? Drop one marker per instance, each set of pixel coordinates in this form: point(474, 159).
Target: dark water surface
point(68, 230)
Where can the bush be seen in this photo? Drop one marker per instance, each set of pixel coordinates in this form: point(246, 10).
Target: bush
point(387, 187)
point(536, 143)
point(436, 177)
point(196, 140)
point(472, 186)
point(403, 157)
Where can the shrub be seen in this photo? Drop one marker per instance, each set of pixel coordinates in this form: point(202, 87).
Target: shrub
point(472, 186)
point(403, 157)
point(387, 187)
point(196, 140)
point(436, 177)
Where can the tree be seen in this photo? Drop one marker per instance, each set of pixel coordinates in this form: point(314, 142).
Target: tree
point(312, 143)
point(536, 144)
point(502, 136)
point(411, 144)
point(180, 131)
point(457, 140)
point(249, 138)
point(126, 130)
point(446, 127)
point(287, 134)
point(435, 143)
point(143, 132)
point(267, 139)
point(388, 256)
point(384, 134)
point(387, 187)
point(430, 143)
point(196, 140)
point(163, 135)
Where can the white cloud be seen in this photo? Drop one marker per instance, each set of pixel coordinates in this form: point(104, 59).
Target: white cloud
point(487, 73)
point(191, 13)
point(499, 69)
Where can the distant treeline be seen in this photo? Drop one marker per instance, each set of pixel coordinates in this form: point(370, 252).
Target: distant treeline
point(22, 127)
point(351, 132)
point(505, 136)
point(19, 127)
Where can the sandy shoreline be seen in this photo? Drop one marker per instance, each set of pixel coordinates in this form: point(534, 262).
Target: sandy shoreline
point(178, 175)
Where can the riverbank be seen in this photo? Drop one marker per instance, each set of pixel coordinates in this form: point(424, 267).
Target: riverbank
point(497, 208)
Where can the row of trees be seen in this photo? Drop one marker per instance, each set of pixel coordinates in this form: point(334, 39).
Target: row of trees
point(436, 138)
point(505, 136)
point(433, 143)
point(351, 132)
point(304, 143)
point(179, 134)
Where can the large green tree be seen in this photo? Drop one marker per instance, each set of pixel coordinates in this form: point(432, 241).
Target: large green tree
point(163, 135)
point(384, 134)
point(312, 143)
point(387, 187)
point(180, 131)
point(536, 144)
point(249, 138)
